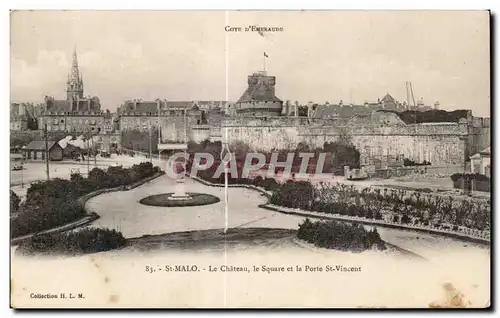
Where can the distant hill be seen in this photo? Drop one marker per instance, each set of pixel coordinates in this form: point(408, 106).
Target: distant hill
point(430, 116)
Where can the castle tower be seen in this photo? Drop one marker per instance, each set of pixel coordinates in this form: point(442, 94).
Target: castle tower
point(74, 88)
point(259, 98)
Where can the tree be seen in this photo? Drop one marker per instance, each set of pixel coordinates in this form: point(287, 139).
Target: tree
point(14, 202)
point(342, 154)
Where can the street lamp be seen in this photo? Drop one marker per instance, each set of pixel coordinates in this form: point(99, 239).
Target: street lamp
point(22, 166)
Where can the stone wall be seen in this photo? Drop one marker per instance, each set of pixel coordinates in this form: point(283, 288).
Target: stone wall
point(377, 136)
point(441, 144)
point(173, 128)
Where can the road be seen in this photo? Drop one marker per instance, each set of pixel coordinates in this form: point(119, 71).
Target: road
point(36, 171)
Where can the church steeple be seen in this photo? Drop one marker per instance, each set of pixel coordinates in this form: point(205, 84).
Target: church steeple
point(74, 88)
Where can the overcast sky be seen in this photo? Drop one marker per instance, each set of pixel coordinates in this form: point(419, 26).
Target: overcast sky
point(319, 56)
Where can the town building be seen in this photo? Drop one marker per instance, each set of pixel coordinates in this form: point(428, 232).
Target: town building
point(18, 117)
point(23, 116)
point(175, 118)
point(481, 162)
point(76, 113)
point(35, 150)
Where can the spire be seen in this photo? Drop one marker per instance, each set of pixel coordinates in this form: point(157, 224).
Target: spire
point(75, 76)
point(75, 60)
point(75, 81)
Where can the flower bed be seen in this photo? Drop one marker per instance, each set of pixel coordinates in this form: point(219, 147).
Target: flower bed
point(165, 200)
point(355, 214)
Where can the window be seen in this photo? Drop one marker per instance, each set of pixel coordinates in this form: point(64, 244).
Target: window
point(62, 121)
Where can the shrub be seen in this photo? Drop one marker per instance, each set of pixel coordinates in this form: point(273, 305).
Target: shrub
point(340, 236)
point(36, 219)
point(14, 202)
point(410, 163)
point(87, 240)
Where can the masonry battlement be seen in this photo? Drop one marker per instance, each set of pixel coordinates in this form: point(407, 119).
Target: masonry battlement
point(354, 126)
point(445, 129)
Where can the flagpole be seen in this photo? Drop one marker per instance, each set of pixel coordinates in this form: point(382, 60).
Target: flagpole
point(264, 61)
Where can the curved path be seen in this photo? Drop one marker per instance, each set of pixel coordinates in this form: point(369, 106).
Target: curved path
point(119, 275)
point(122, 211)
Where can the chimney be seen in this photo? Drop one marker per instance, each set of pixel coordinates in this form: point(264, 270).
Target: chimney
point(22, 109)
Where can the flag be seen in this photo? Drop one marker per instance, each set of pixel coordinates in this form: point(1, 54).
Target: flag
point(265, 54)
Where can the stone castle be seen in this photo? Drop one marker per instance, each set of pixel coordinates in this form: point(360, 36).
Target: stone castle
point(264, 122)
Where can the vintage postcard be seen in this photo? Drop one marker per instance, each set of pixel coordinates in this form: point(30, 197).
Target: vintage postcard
point(250, 159)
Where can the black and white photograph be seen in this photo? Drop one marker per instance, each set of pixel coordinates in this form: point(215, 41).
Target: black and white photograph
point(250, 159)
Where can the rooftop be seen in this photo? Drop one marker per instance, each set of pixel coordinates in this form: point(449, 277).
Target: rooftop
point(39, 145)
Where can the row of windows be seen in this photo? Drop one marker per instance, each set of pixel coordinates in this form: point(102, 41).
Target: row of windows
point(56, 121)
point(79, 128)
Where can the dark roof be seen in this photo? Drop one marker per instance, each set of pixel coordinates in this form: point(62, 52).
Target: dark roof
point(431, 116)
point(210, 102)
point(486, 151)
point(258, 92)
point(83, 105)
point(58, 105)
point(147, 107)
point(179, 104)
point(40, 145)
point(344, 111)
point(142, 107)
point(388, 99)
